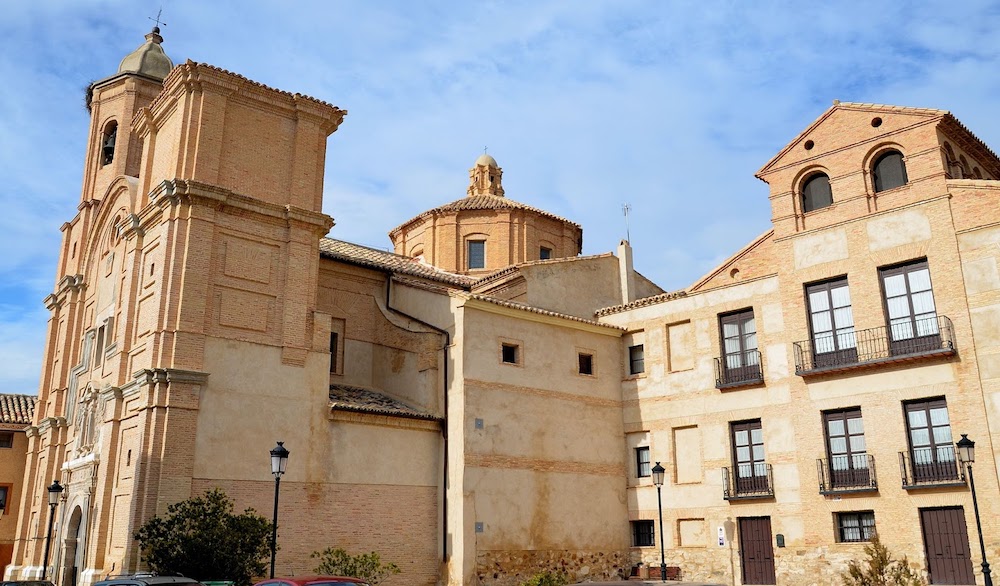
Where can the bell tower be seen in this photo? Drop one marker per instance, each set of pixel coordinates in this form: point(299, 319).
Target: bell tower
point(485, 177)
point(113, 149)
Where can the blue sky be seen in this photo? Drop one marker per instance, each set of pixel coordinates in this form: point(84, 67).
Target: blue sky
point(670, 106)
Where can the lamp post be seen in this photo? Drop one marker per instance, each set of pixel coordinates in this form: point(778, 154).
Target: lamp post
point(658, 481)
point(54, 491)
point(967, 454)
point(279, 458)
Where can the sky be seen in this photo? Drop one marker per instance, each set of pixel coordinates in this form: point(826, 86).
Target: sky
point(669, 106)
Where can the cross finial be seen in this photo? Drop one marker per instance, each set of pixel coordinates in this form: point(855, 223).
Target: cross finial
point(157, 19)
point(485, 150)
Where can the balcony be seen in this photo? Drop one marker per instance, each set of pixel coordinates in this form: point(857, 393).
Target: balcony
point(873, 347)
point(844, 474)
point(728, 375)
point(930, 468)
point(751, 481)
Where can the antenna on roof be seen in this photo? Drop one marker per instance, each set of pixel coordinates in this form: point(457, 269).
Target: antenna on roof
point(626, 208)
point(157, 19)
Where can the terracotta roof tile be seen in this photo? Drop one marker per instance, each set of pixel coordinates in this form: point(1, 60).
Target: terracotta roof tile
point(388, 261)
point(360, 400)
point(17, 408)
point(532, 309)
point(482, 202)
point(661, 298)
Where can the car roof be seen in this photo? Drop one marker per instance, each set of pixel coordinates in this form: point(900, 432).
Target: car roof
point(306, 580)
point(146, 580)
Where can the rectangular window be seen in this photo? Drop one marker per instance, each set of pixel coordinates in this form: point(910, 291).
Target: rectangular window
point(6, 439)
point(910, 310)
point(509, 353)
point(586, 363)
point(4, 491)
point(855, 527)
point(99, 346)
point(739, 346)
point(832, 323)
point(750, 469)
point(643, 534)
point(636, 359)
point(932, 450)
point(477, 254)
point(642, 469)
point(544, 253)
point(845, 446)
point(333, 352)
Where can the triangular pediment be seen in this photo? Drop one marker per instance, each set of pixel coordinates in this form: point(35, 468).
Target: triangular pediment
point(826, 133)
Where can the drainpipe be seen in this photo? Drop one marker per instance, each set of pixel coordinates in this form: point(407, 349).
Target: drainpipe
point(444, 424)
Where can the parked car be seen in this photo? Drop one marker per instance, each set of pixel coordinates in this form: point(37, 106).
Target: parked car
point(313, 581)
point(147, 580)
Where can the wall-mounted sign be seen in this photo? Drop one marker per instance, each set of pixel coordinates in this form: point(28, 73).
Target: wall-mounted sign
point(722, 536)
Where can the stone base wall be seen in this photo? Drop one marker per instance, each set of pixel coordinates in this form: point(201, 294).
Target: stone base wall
point(511, 568)
point(816, 566)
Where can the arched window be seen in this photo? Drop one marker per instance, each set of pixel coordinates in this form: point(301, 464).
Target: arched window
point(816, 192)
point(108, 139)
point(889, 171)
point(977, 173)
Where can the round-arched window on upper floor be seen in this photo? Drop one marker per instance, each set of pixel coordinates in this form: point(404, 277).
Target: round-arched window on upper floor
point(889, 171)
point(816, 192)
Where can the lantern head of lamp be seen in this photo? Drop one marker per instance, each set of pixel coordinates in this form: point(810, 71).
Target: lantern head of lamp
point(966, 449)
point(55, 490)
point(658, 472)
point(279, 459)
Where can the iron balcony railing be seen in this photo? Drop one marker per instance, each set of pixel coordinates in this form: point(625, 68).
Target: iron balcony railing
point(930, 337)
point(737, 370)
point(853, 473)
point(750, 481)
point(924, 467)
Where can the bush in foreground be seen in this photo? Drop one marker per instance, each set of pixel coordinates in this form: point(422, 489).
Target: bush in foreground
point(367, 566)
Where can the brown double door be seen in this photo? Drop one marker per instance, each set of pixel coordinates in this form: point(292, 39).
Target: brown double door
point(756, 552)
point(946, 542)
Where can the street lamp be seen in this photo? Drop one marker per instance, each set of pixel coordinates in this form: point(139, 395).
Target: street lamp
point(54, 491)
point(967, 454)
point(279, 459)
point(658, 481)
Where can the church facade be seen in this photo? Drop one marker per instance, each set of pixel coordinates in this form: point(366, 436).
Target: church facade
point(484, 402)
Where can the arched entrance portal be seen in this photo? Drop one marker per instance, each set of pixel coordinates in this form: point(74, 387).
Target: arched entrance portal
point(73, 548)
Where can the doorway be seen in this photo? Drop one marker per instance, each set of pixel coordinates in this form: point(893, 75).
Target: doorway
point(756, 551)
point(946, 544)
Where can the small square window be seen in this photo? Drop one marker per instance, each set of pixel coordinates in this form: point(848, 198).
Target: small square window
point(642, 469)
point(586, 363)
point(636, 359)
point(642, 534)
point(477, 254)
point(509, 353)
point(6, 439)
point(855, 527)
point(544, 253)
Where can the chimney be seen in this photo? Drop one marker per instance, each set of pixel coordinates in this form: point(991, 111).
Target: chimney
point(626, 276)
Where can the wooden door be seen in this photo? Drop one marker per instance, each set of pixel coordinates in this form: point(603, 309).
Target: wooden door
point(946, 543)
point(756, 552)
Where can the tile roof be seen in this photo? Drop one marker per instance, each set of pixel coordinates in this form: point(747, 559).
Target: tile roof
point(482, 202)
point(388, 261)
point(17, 408)
point(360, 400)
point(533, 309)
point(661, 298)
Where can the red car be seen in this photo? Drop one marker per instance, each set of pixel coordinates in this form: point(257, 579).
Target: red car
point(313, 581)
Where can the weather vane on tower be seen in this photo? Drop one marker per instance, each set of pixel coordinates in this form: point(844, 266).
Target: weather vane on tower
point(157, 19)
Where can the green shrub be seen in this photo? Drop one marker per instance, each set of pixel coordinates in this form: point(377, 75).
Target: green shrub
point(367, 566)
point(202, 538)
point(879, 569)
point(546, 579)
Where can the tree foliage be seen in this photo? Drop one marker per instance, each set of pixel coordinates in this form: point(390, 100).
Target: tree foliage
point(879, 569)
point(202, 538)
point(546, 579)
point(367, 566)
